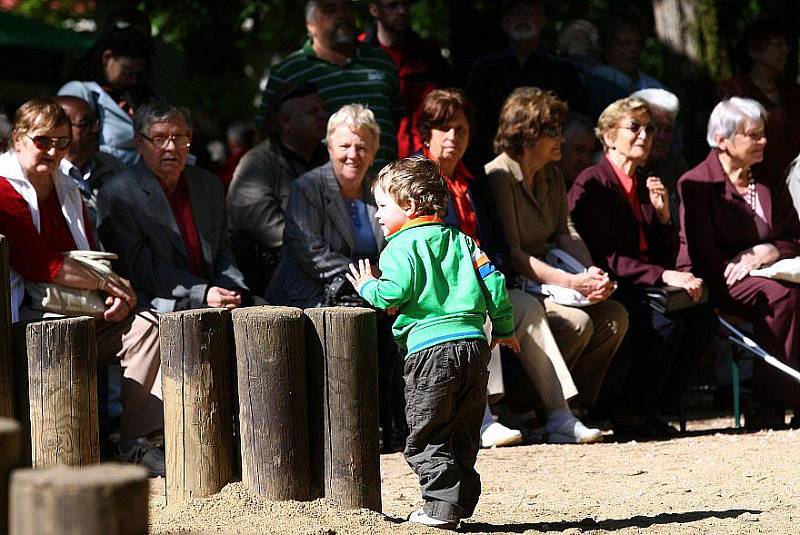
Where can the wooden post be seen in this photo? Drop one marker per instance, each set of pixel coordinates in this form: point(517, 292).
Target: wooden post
point(62, 382)
point(270, 356)
point(196, 382)
point(6, 363)
point(106, 499)
point(22, 404)
point(342, 346)
point(10, 439)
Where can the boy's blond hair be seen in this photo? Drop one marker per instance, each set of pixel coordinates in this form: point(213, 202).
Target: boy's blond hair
point(418, 179)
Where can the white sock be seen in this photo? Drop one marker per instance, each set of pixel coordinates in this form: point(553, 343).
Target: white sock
point(556, 418)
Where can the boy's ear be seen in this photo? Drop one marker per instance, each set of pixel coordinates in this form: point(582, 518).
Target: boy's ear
point(411, 209)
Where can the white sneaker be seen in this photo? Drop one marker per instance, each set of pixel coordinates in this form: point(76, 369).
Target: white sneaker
point(420, 517)
point(574, 432)
point(496, 435)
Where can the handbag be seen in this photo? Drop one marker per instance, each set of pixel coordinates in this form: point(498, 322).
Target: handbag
point(340, 293)
point(559, 259)
point(787, 270)
point(66, 301)
point(666, 299)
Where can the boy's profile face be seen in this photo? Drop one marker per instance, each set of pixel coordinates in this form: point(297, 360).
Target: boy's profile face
point(390, 215)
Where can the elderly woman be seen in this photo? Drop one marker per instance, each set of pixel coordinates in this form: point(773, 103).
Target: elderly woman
point(531, 201)
point(625, 219)
point(42, 215)
point(111, 79)
point(735, 219)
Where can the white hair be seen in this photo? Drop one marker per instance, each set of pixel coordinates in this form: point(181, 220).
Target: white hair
point(728, 116)
point(355, 116)
point(579, 37)
point(660, 99)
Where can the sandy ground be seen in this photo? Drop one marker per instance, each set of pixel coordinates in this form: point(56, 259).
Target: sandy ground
point(712, 481)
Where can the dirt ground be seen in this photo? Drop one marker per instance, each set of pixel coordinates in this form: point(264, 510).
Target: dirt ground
point(712, 481)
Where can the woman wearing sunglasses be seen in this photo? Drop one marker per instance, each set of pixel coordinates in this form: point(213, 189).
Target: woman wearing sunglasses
point(624, 217)
point(567, 352)
point(43, 216)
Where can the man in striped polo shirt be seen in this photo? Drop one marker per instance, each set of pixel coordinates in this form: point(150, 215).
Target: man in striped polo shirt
point(344, 71)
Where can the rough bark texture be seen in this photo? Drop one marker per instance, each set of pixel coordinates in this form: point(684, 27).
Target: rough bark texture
point(341, 345)
point(271, 361)
point(62, 383)
point(106, 499)
point(22, 405)
point(6, 363)
point(10, 439)
point(196, 381)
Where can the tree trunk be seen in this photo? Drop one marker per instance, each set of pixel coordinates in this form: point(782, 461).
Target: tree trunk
point(62, 381)
point(196, 375)
point(341, 346)
point(271, 360)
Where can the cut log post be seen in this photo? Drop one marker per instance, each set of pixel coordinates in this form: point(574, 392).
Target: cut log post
point(342, 347)
point(6, 363)
point(22, 403)
point(106, 499)
point(62, 383)
point(270, 356)
point(10, 441)
point(196, 374)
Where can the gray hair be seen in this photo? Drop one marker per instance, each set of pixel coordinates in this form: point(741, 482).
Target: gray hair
point(311, 11)
point(159, 112)
point(660, 99)
point(728, 116)
point(579, 37)
point(355, 116)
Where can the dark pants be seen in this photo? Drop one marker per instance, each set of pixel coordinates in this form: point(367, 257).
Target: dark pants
point(664, 348)
point(445, 401)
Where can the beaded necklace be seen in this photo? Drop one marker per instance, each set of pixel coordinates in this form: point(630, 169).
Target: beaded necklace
point(751, 190)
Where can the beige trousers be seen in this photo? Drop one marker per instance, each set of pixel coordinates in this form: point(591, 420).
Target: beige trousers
point(134, 343)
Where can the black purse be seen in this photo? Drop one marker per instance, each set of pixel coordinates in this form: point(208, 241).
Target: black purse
point(340, 293)
point(666, 299)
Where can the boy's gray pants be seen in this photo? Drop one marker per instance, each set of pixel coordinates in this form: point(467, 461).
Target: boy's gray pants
point(445, 402)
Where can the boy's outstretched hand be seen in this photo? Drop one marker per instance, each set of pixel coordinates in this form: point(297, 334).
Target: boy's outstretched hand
point(360, 275)
point(512, 343)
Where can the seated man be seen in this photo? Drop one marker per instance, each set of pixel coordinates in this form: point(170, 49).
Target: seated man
point(167, 221)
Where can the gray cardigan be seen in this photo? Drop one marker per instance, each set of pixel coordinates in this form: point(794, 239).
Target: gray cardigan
point(318, 239)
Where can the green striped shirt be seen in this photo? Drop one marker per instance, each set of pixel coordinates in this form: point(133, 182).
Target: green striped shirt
point(369, 78)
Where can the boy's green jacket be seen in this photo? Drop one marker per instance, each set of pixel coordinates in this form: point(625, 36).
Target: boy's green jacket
point(443, 284)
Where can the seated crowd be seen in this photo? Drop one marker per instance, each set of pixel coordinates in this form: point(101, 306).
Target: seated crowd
point(586, 202)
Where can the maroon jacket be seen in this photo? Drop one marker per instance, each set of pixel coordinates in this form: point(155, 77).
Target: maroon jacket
point(717, 223)
point(606, 222)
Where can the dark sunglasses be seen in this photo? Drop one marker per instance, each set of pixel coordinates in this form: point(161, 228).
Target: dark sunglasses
point(636, 127)
point(47, 143)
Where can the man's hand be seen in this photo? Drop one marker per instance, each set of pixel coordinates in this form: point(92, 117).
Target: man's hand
point(360, 275)
point(221, 298)
point(116, 309)
point(512, 343)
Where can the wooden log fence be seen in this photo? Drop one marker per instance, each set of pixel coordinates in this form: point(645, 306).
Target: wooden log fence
point(196, 373)
point(10, 441)
point(341, 349)
point(107, 499)
point(270, 356)
point(62, 382)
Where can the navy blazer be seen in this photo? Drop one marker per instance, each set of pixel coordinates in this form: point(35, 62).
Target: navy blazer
point(606, 222)
point(135, 221)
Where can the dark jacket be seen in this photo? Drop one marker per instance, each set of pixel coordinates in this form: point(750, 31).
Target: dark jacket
point(606, 222)
point(717, 223)
point(318, 239)
point(135, 221)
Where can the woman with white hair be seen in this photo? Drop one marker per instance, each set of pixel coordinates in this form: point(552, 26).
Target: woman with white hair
point(734, 220)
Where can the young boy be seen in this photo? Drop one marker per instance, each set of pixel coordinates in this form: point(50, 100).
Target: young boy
point(444, 286)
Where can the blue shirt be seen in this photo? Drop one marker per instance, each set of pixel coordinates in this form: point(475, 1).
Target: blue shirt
point(364, 245)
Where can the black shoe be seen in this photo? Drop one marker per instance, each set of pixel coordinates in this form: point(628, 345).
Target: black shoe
point(761, 416)
point(661, 428)
point(146, 454)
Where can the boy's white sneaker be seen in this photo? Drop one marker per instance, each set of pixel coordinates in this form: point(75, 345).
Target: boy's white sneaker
point(420, 517)
point(496, 435)
point(574, 432)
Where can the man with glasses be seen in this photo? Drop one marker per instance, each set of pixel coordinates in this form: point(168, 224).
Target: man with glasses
point(419, 62)
point(344, 71)
point(84, 162)
point(167, 222)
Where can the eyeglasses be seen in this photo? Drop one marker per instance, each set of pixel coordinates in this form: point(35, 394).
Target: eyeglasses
point(46, 143)
point(755, 136)
point(636, 127)
point(181, 141)
point(551, 131)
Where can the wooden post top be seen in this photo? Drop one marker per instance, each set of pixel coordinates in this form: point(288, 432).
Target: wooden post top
point(266, 311)
point(342, 312)
point(196, 312)
point(86, 476)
